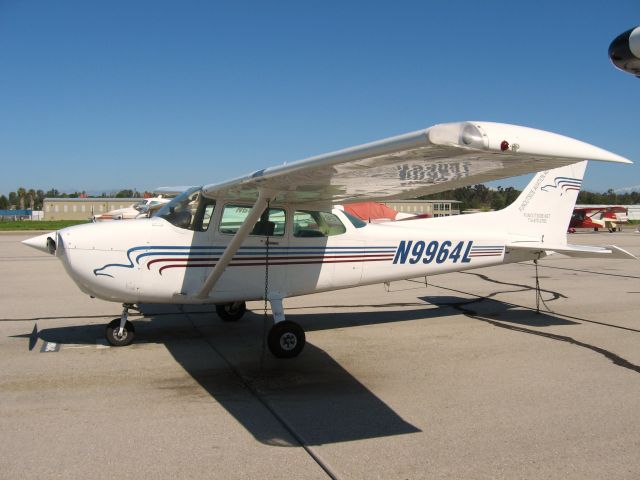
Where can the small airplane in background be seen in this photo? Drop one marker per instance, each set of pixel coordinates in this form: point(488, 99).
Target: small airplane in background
point(142, 209)
point(624, 51)
point(596, 217)
point(274, 234)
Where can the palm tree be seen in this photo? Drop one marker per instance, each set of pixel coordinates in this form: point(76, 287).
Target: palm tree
point(21, 193)
point(32, 198)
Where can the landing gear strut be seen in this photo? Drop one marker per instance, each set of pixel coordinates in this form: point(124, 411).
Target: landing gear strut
point(286, 339)
point(120, 331)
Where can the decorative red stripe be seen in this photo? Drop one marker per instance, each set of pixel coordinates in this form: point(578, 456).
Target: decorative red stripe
point(232, 264)
point(263, 259)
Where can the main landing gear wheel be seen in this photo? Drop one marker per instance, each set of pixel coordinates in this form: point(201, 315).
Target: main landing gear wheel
point(286, 339)
point(117, 338)
point(231, 312)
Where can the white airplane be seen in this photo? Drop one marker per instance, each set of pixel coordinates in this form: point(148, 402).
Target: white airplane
point(624, 51)
point(140, 209)
point(274, 234)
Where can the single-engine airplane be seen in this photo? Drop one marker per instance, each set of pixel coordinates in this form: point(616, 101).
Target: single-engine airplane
point(140, 209)
point(274, 233)
point(596, 217)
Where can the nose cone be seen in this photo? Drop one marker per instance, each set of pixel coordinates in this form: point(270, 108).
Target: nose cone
point(45, 242)
point(624, 51)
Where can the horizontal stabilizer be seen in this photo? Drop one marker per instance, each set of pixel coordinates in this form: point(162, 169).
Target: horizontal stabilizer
point(584, 251)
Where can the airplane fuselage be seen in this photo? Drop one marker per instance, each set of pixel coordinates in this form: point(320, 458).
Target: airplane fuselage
point(151, 260)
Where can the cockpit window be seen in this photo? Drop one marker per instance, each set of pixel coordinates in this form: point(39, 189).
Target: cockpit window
point(190, 210)
point(308, 223)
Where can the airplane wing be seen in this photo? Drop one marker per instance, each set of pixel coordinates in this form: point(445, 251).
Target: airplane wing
point(427, 161)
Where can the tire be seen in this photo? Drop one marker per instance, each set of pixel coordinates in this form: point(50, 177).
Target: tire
point(231, 312)
point(127, 335)
point(286, 339)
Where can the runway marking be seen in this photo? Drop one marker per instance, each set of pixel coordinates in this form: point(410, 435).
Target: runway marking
point(50, 347)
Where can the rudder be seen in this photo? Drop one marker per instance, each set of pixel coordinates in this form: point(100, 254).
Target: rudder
point(543, 209)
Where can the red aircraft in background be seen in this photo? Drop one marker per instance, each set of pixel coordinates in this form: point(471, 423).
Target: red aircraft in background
point(598, 217)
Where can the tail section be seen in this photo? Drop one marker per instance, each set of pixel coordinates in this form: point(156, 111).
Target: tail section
point(543, 210)
point(537, 221)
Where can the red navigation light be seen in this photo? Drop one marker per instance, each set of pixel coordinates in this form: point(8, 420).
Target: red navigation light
point(504, 145)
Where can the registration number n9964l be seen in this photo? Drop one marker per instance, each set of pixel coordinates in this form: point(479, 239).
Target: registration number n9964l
point(434, 251)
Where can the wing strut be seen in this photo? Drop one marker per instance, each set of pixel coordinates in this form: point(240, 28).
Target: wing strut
point(243, 232)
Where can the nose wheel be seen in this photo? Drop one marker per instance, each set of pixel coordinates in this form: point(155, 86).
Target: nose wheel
point(120, 331)
point(118, 337)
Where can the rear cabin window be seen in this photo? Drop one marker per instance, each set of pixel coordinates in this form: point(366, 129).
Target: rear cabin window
point(271, 223)
point(316, 224)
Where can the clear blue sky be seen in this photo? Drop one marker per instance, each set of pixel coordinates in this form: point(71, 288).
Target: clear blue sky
point(139, 94)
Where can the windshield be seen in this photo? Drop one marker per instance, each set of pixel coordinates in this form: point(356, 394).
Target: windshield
point(190, 210)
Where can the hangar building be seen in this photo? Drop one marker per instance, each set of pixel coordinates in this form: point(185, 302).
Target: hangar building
point(82, 208)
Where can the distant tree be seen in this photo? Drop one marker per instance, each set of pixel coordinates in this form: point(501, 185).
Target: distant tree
point(4, 203)
point(39, 199)
point(124, 194)
point(53, 193)
point(32, 198)
point(21, 194)
point(13, 200)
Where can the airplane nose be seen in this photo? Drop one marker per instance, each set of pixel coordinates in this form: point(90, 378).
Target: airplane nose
point(45, 243)
point(624, 51)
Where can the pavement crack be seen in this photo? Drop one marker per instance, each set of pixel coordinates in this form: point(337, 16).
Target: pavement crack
point(462, 307)
point(556, 295)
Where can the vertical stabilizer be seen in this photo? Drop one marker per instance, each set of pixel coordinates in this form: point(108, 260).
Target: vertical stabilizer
point(543, 209)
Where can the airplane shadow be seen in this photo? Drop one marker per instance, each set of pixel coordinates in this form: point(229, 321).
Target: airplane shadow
point(500, 311)
point(312, 395)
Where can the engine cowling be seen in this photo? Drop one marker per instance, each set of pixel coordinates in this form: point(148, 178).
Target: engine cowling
point(624, 51)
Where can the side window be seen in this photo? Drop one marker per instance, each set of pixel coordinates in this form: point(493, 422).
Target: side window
point(271, 223)
point(316, 224)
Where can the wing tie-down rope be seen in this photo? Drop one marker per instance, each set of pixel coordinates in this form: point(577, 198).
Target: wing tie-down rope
point(265, 318)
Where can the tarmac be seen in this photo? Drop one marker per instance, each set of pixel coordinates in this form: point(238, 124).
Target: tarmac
point(453, 377)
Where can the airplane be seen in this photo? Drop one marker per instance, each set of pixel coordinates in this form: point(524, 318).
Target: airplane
point(624, 51)
point(274, 234)
point(598, 217)
point(140, 209)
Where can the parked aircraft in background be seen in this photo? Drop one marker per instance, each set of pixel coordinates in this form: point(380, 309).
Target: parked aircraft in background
point(273, 234)
point(595, 217)
point(142, 209)
point(624, 51)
